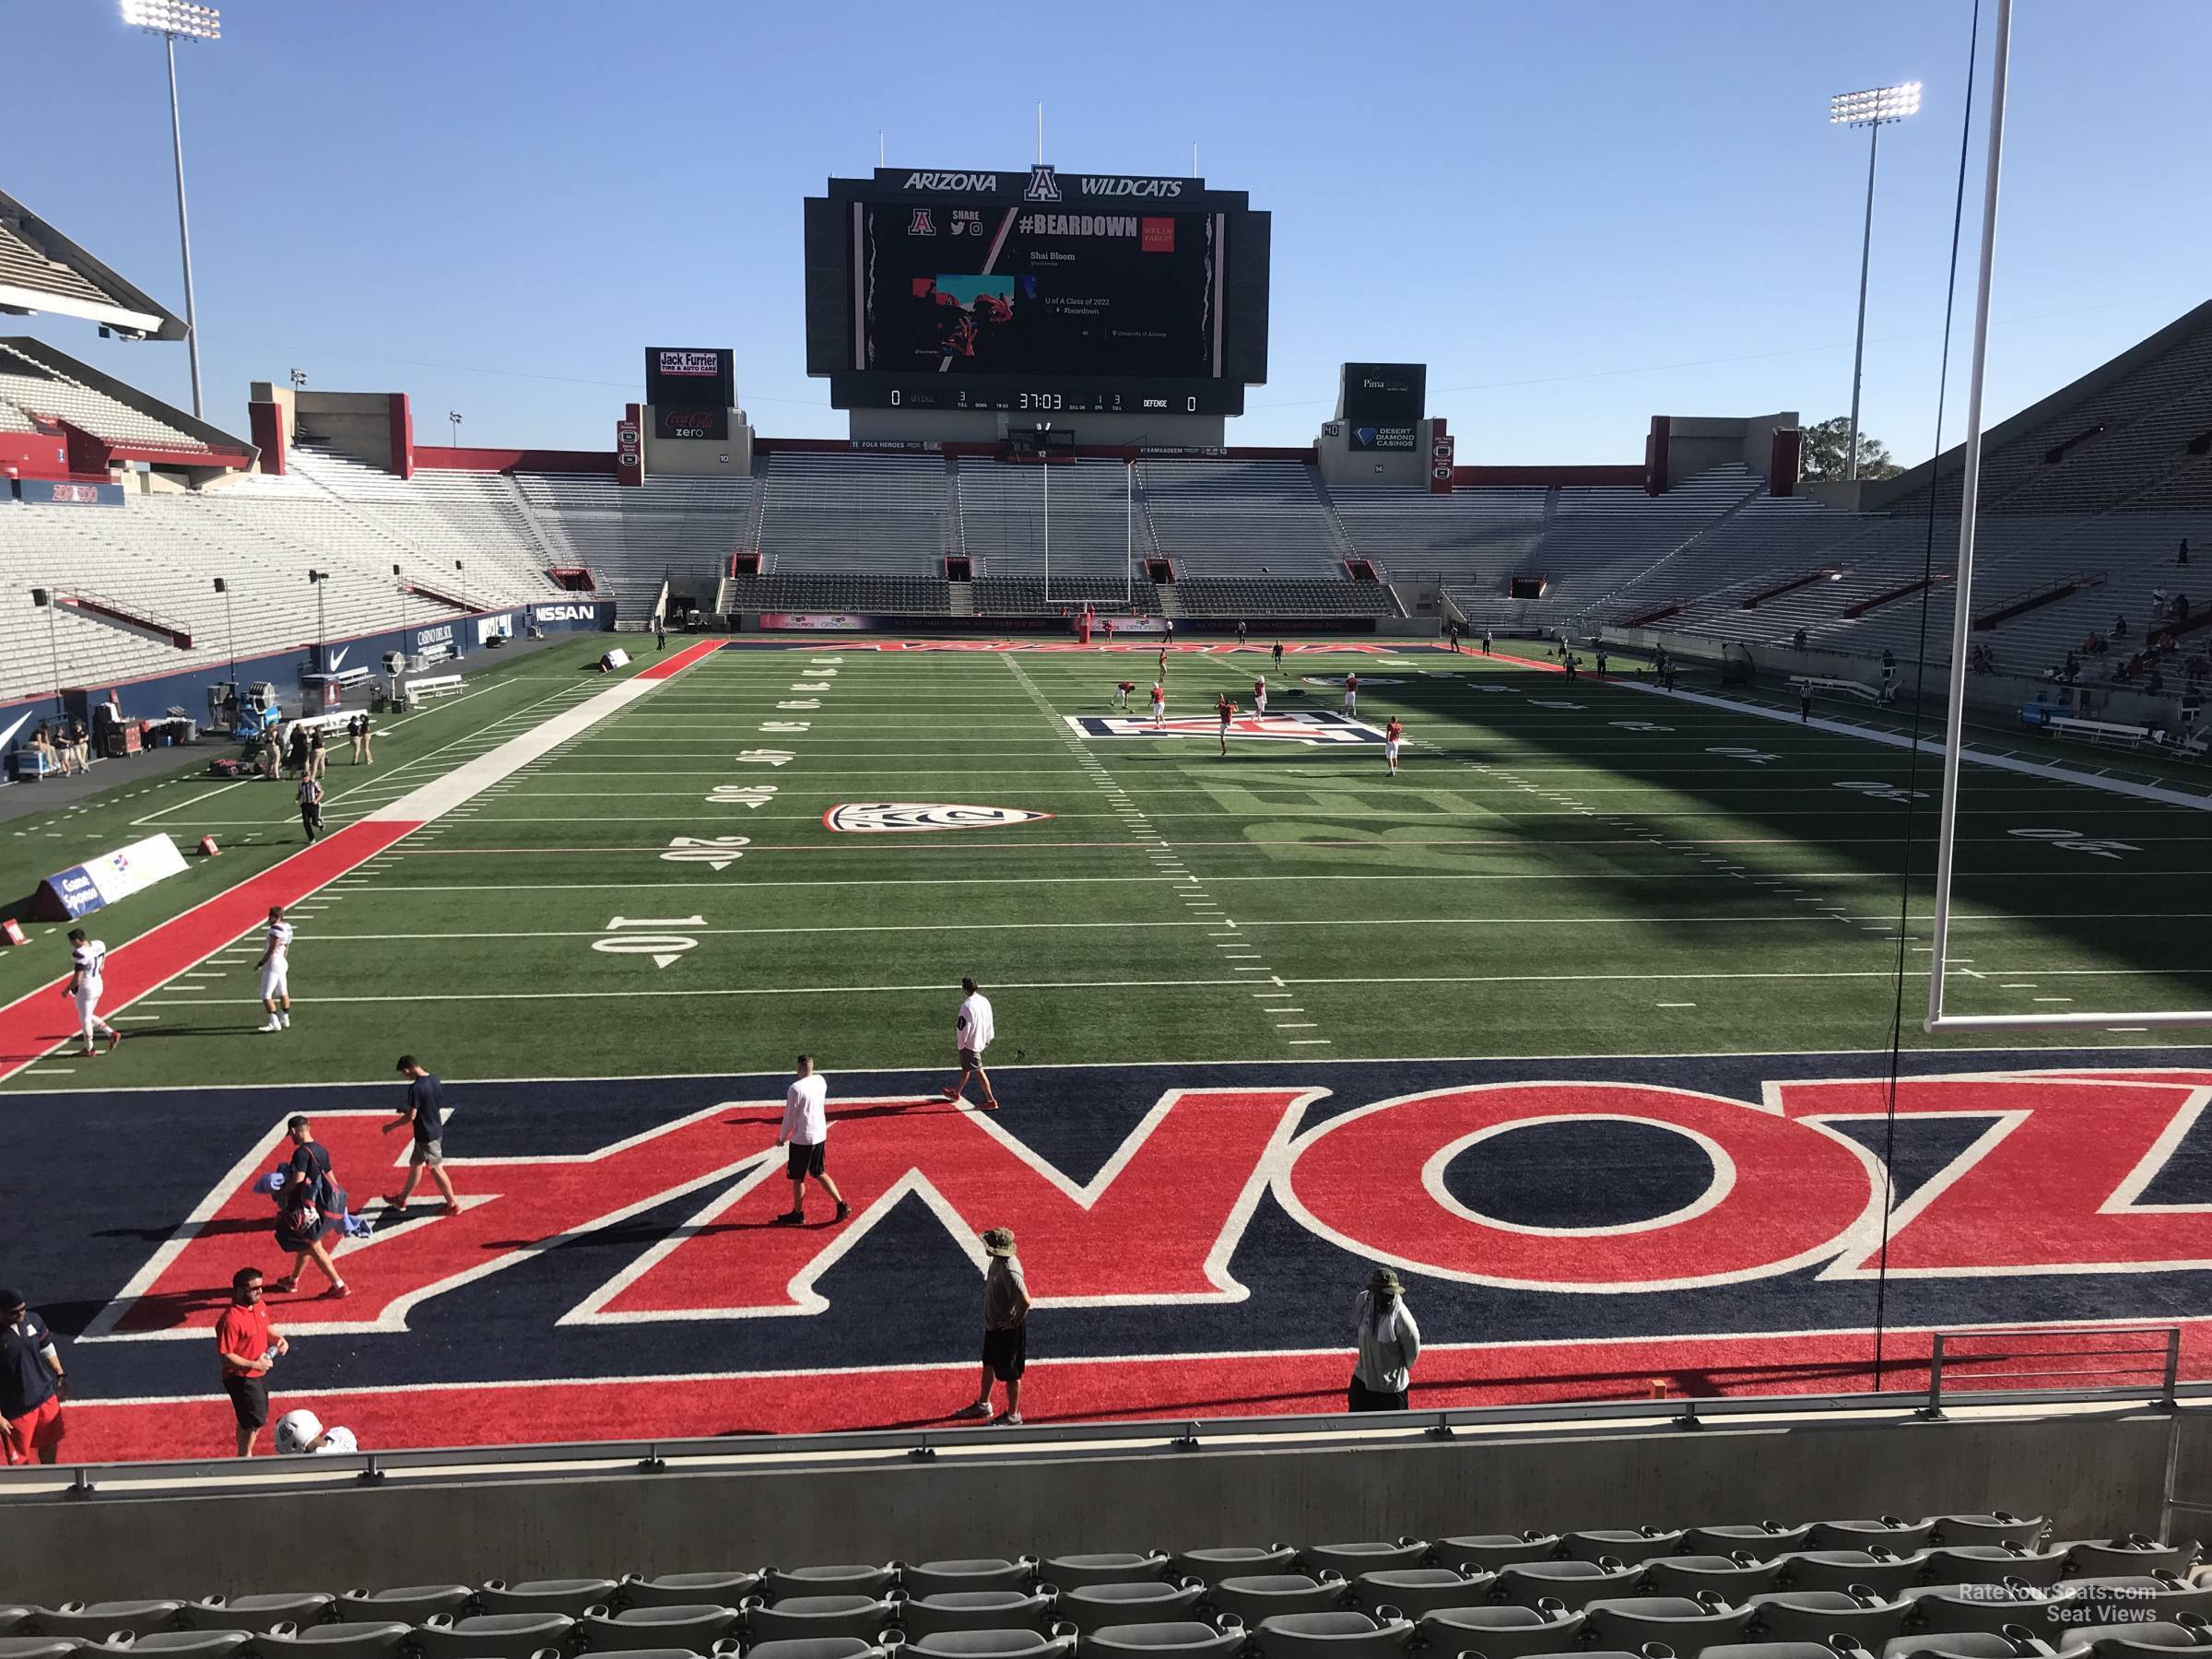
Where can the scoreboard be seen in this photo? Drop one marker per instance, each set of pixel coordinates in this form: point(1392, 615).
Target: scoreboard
point(1036, 292)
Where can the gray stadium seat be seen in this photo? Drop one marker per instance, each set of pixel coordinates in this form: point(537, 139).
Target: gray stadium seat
point(857, 1578)
point(1737, 1577)
point(40, 1647)
point(1892, 1533)
point(1416, 1590)
point(1211, 1566)
point(571, 1597)
point(690, 1589)
point(1818, 1615)
point(2094, 1557)
point(1766, 1539)
point(356, 1641)
point(492, 1635)
point(1634, 1546)
point(1094, 1607)
point(257, 1612)
point(1993, 1564)
point(931, 1578)
point(1351, 1560)
point(1487, 1552)
point(10, 1618)
point(182, 1644)
point(1574, 1584)
point(1682, 1622)
point(1502, 1632)
point(2138, 1640)
point(1989, 1608)
point(1331, 1636)
point(977, 1610)
point(1075, 1571)
point(1876, 1570)
point(819, 1647)
point(821, 1616)
point(96, 1621)
point(1183, 1639)
point(698, 1625)
point(1775, 1650)
point(412, 1603)
point(2155, 1596)
point(995, 1644)
point(2015, 1643)
point(1255, 1596)
point(1998, 1527)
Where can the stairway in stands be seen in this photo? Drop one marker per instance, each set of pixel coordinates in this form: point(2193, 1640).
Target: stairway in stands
point(963, 596)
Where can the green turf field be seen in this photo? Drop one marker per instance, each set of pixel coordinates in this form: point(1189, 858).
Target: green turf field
point(1560, 870)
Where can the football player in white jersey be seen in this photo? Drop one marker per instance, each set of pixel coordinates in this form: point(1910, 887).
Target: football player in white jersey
point(276, 968)
point(88, 965)
point(301, 1435)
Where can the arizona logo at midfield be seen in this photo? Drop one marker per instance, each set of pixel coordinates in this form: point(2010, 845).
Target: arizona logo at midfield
point(905, 817)
point(1314, 728)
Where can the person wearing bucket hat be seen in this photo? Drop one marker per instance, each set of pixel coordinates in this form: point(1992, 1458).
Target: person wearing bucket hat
point(1005, 1328)
point(1388, 1342)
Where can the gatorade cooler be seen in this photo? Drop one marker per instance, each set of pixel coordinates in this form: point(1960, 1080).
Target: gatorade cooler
point(208, 847)
point(12, 932)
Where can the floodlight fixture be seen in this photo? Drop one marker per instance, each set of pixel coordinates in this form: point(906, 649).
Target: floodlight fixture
point(174, 16)
point(172, 20)
point(1872, 109)
point(1875, 106)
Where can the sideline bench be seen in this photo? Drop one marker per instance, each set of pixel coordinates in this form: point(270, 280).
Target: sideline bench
point(407, 693)
point(1845, 686)
point(2088, 731)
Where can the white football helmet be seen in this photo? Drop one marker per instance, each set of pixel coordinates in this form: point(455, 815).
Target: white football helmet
point(297, 1432)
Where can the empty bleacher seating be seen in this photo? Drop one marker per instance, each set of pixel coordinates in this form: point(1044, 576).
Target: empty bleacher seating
point(1924, 1585)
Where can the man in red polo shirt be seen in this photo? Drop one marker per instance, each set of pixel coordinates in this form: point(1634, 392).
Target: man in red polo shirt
point(248, 1345)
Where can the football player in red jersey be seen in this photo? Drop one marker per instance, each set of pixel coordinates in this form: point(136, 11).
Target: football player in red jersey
point(1121, 694)
point(1391, 735)
point(1259, 695)
point(1159, 703)
point(1226, 711)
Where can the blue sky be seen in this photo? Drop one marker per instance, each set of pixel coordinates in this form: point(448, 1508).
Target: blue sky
point(1578, 214)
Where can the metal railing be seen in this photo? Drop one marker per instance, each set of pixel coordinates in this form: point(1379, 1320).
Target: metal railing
point(1949, 1367)
point(1140, 1437)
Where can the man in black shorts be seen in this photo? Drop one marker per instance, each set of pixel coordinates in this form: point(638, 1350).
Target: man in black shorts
point(806, 1128)
point(1005, 1327)
point(248, 1345)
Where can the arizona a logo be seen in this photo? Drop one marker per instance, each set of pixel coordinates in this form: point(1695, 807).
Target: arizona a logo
point(1044, 186)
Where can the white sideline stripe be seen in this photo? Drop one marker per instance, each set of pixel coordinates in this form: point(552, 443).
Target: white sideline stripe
point(2034, 768)
point(933, 986)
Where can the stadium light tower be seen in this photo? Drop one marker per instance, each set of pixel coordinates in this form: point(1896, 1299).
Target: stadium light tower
point(315, 580)
point(1874, 108)
point(171, 18)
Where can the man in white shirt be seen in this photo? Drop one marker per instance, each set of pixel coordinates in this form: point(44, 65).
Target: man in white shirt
point(301, 1435)
point(973, 1030)
point(275, 970)
point(88, 964)
point(806, 1128)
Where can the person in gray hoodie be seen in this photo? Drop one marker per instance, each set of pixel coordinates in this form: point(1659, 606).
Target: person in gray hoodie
point(1388, 1341)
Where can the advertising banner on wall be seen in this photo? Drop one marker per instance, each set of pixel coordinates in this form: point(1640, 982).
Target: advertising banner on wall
point(691, 389)
point(1380, 403)
point(824, 622)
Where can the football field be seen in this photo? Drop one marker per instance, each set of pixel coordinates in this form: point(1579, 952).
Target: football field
point(703, 882)
point(1581, 1020)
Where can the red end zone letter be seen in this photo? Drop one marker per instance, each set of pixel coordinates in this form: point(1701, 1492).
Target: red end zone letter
point(1372, 1182)
point(2054, 1183)
point(1157, 1224)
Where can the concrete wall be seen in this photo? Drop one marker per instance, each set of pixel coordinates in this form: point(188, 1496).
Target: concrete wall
point(356, 424)
point(1697, 442)
point(2193, 1474)
point(696, 457)
point(1342, 466)
point(2091, 1474)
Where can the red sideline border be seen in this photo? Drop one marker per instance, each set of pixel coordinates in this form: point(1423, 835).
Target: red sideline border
point(40, 1020)
point(1148, 1388)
